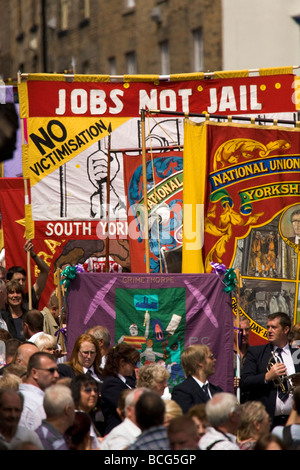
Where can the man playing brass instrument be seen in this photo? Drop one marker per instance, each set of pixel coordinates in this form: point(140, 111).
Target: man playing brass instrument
point(267, 368)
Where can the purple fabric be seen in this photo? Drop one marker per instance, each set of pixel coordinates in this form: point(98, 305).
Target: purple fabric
point(9, 92)
point(208, 311)
point(13, 167)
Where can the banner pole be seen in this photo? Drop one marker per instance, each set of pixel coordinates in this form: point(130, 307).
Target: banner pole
point(107, 201)
point(146, 222)
point(253, 120)
point(60, 339)
point(139, 149)
point(238, 358)
point(28, 252)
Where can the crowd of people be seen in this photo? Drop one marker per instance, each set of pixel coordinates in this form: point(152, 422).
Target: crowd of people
point(101, 397)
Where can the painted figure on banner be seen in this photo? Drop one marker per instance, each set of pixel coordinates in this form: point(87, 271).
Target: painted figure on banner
point(290, 226)
point(133, 339)
point(164, 173)
point(249, 225)
point(97, 169)
point(276, 266)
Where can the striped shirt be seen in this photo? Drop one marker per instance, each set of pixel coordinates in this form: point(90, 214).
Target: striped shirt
point(50, 437)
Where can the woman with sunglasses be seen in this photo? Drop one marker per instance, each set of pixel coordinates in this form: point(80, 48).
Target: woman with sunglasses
point(85, 392)
point(119, 374)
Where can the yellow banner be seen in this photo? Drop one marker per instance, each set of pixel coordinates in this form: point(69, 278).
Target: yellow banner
point(52, 142)
point(193, 196)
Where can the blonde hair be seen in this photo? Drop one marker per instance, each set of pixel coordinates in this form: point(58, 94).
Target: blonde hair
point(45, 341)
point(151, 374)
point(251, 412)
point(172, 410)
point(10, 381)
point(191, 357)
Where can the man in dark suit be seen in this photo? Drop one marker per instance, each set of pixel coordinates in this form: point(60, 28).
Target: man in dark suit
point(198, 363)
point(261, 379)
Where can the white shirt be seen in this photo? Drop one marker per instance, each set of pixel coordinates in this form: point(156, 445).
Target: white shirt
point(284, 408)
point(91, 369)
point(166, 395)
point(121, 436)
point(22, 435)
point(295, 431)
point(3, 324)
point(103, 362)
point(33, 410)
point(121, 377)
point(35, 336)
point(212, 435)
point(201, 384)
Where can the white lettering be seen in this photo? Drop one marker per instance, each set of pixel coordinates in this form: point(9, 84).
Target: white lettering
point(213, 101)
point(243, 98)
point(86, 229)
point(185, 94)
point(227, 99)
point(117, 229)
point(114, 95)
point(68, 229)
point(167, 100)
point(61, 102)
point(253, 98)
point(79, 104)
point(230, 98)
point(98, 104)
point(147, 101)
point(122, 228)
point(95, 101)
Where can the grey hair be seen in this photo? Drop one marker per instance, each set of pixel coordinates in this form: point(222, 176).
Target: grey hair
point(100, 332)
point(131, 396)
point(56, 398)
point(220, 407)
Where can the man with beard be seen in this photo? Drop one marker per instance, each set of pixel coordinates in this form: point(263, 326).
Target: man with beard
point(198, 363)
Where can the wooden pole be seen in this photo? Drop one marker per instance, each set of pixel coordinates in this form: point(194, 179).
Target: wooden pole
point(28, 252)
point(238, 353)
point(107, 201)
point(29, 283)
point(139, 149)
point(146, 222)
point(60, 338)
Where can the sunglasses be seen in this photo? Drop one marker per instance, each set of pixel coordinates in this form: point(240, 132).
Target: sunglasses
point(90, 389)
point(52, 370)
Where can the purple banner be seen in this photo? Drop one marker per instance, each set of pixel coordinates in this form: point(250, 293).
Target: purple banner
point(160, 314)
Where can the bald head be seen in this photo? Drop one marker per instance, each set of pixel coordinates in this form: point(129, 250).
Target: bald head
point(24, 352)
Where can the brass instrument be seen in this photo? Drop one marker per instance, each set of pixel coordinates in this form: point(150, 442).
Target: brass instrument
point(283, 381)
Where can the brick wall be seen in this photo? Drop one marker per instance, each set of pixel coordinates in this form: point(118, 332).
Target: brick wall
point(111, 32)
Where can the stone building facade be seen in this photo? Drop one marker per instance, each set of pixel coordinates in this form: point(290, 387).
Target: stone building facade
point(113, 37)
